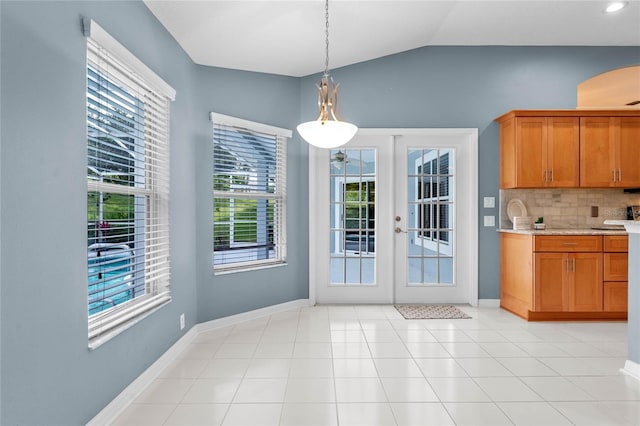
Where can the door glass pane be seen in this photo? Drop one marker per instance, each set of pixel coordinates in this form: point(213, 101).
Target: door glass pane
point(368, 161)
point(430, 270)
point(352, 270)
point(446, 270)
point(368, 265)
point(352, 216)
point(352, 163)
point(430, 213)
point(337, 270)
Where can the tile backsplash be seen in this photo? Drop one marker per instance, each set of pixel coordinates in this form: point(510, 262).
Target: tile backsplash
point(569, 208)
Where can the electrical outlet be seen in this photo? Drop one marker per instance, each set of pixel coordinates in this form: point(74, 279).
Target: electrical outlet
point(182, 322)
point(489, 202)
point(489, 221)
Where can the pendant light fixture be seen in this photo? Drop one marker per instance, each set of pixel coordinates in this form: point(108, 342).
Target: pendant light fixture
point(339, 160)
point(327, 131)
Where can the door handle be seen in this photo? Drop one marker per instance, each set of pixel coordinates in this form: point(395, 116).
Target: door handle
point(398, 230)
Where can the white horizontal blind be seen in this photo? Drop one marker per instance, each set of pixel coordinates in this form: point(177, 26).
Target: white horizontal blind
point(249, 191)
point(128, 194)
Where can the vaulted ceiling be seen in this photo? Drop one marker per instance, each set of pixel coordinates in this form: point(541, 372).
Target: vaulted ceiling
point(287, 37)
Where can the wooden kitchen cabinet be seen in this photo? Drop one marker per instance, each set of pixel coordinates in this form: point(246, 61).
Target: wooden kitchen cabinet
point(569, 149)
point(616, 243)
point(540, 152)
point(560, 277)
point(616, 297)
point(609, 152)
point(616, 267)
point(568, 281)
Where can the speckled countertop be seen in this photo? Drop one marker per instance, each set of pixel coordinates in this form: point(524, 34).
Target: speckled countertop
point(551, 231)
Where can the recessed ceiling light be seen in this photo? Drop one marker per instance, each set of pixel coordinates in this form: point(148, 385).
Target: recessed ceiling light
point(615, 6)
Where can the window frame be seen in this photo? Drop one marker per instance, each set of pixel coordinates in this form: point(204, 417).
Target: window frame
point(279, 196)
point(106, 324)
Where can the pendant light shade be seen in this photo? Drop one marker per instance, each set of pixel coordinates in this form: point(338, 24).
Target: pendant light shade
point(327, 134)
point(327, 131)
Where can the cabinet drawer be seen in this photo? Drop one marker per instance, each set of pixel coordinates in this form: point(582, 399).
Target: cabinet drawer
point(616, 243)
point(568, 243)
point(615, 297)
point(616, 267)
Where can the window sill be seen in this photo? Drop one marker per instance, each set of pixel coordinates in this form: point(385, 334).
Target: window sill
point(248, 268)
point(101, 339)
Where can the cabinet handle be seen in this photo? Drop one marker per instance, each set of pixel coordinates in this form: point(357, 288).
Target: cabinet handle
point(546, 175)
point(614, 175)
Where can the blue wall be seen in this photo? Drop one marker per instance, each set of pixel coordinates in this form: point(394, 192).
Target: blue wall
point(268, 99)
point(48, 374)
point(467, 87)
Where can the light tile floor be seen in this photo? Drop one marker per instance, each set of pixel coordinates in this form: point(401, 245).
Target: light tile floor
point(366, 365)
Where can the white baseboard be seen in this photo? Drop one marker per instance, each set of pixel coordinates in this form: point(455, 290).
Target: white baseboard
point(109, 413)
point(488, 303)
point(631, 369)
point(251, 315)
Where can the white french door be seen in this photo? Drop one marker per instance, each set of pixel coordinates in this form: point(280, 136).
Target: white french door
point(393, 218)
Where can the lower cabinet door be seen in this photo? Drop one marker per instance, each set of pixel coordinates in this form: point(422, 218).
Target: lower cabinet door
point(550, 289)
point(616, 296)
point(568, 282)
point(585, 287)
point(616, 266)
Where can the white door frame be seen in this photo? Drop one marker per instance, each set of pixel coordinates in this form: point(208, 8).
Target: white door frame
point(318, 190)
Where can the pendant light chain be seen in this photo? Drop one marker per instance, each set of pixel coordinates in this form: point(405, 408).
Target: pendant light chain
point(327, 131)
point(326, 17)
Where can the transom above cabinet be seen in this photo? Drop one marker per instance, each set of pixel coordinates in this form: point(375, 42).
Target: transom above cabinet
point(570, 149)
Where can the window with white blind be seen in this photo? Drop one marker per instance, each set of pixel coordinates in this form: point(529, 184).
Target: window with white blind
point(249, 194)
point(128, 267)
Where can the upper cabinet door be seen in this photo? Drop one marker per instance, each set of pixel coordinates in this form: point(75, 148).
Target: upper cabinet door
point(508, 154)
point(531, 152)
point(627, 135)
point(563, 152)
point(547, 152)
point(610, 152)
point(597, 152)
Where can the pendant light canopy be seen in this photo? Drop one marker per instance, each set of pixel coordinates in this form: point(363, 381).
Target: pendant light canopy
point(327, 131)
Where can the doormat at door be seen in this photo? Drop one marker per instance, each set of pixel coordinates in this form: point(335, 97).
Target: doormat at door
point(430, 312)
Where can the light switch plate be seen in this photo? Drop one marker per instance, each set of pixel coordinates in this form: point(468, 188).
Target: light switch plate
point(489, 221)
point(489, 202)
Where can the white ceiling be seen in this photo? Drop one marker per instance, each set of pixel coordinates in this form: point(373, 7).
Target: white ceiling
point(287, 37)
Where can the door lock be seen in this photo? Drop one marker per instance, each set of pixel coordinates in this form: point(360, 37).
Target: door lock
point(398, 218)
